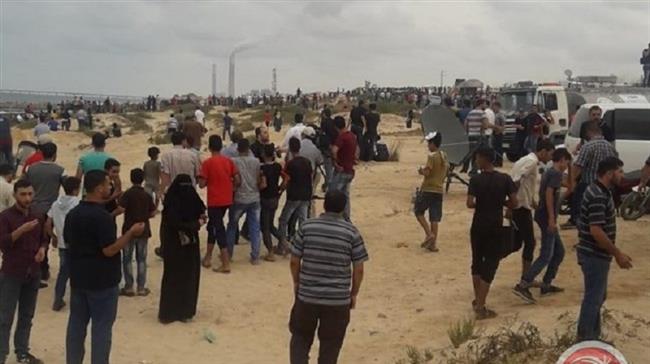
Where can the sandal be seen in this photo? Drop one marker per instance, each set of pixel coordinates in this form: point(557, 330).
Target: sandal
point(221, 269)
point(207, 262)
point(485, 313)
point(432, 248)
point(144, 292)
point(127, 292)
point(426, 243)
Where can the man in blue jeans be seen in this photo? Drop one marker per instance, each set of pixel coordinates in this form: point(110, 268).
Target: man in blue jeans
point(597, 235)
point(23, 244)
point(297, 180)
point(552, 251)
point(344, 155)
point(94, 252)
point(247, 200)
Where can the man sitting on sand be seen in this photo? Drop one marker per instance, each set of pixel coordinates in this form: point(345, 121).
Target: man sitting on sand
point(488, 192)
point(430, 196)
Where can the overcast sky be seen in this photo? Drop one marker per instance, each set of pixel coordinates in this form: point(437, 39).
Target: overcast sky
point(141, 47)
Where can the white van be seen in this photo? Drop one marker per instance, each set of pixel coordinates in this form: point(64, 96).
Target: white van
point(630, 124)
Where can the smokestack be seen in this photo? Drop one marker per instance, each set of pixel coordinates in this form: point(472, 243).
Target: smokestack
point(274, 83)
point(231, 75)
point(214, 79)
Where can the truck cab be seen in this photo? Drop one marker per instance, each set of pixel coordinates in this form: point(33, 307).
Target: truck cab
point(550, 97)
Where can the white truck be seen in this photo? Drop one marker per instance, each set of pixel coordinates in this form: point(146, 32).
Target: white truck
point(562, 102)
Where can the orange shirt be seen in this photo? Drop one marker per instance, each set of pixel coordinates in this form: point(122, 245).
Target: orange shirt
point(218, 172)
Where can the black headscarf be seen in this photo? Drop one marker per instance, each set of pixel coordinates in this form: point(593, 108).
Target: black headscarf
point(182, 200)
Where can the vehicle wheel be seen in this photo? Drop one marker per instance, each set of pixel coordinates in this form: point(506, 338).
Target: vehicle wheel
point(633, 206)
point(512, 157)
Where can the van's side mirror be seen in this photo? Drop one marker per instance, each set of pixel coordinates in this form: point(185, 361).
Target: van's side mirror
point(562, 122)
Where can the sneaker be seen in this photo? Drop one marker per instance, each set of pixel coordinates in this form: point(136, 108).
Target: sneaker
point(58, 306)
point(568, 226)
point(523, 293)
point(255, 261)
point(550, 289)
point(28, 358)
point(42, 285)
point(270, 257)
point(221, 269)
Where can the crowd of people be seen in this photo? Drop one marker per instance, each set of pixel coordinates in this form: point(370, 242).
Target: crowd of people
point(246, 180)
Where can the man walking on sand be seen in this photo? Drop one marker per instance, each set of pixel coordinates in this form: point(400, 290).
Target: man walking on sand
point(524, 173)
point(23, 243)
point(344, 155)
point(488, 192)
point(327, 258)
point(430, 195)
point(95, 270)
point(596, 247)
point(218, 174)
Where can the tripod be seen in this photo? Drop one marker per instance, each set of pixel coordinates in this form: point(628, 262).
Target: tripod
point(451, 174)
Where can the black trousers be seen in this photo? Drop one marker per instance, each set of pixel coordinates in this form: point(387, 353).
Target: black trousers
point(332, 322)
point(267, 215)
point(524, 234)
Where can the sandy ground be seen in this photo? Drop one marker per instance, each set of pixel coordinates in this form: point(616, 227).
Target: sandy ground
point(408, 297)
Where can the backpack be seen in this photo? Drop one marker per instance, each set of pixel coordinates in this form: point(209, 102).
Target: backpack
point(382, 154)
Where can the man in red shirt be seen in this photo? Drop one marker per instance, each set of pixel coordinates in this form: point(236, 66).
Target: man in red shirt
point(218, 174)
point(344, 154)
point(38, 155)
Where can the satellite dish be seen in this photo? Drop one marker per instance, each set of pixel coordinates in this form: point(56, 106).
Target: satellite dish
point(568, 74)
point(443, 120)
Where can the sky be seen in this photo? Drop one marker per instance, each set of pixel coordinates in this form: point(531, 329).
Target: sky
point(131, 47)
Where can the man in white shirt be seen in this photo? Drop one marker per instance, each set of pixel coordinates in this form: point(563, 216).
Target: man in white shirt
point(524, 173)
point(6, 189)
point(294, 132)
point(199, 116)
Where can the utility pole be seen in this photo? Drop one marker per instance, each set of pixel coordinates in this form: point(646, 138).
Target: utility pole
point(442, 78)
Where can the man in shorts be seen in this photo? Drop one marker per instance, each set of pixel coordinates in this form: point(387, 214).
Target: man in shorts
point(430, 195)
point(488, 192)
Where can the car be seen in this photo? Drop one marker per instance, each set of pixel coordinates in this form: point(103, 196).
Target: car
point(630, 124)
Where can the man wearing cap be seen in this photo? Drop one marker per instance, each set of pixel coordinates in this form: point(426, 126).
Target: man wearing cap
point(429, 196)
point(38, 155)
point(96, 159)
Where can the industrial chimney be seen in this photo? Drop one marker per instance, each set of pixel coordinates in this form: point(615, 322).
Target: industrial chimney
point(214, 79)
point(231, 75)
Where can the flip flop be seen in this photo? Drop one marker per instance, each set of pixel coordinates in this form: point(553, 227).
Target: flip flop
point(425, 244)
point(207, 262)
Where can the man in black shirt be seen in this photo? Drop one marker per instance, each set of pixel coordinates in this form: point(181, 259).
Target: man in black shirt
point(372, 135)
point(326, 141)
point(94, 253)
point(488, 192)
point(357, 116)
point(297, 180)
point(112, 168)
point(269, 197)
point(262, 139)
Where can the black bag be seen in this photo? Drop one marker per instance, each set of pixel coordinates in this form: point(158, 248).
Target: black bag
point(365, 149)
point(507, 234)
point(382, 153)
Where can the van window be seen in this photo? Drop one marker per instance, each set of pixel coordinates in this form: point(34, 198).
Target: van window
point(632, 124)
point(550, 102)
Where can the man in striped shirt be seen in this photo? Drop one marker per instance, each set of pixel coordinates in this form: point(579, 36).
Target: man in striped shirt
point(586, 166)
point(597, 235)
point(327, 259)
point(476, 123)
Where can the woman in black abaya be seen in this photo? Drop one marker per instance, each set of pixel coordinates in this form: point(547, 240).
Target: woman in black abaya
point(182, 216)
